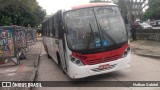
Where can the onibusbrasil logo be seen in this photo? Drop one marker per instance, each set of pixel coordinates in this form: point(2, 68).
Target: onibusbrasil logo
point(20, 84)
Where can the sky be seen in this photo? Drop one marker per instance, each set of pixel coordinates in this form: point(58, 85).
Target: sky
point(51, 6)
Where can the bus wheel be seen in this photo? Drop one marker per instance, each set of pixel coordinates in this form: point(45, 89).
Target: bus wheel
point(49, 56)
point(60, 63)
point(45, 48)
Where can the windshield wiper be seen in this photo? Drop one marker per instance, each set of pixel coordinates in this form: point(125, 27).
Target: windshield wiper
point(98, 27)
point(100, 30)
point(89, 43)
point(107, 34)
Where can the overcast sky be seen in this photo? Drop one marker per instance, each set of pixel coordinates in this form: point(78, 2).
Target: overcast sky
point(52, 6)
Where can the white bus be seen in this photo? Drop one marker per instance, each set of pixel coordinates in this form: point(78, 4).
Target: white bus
point(87, 40)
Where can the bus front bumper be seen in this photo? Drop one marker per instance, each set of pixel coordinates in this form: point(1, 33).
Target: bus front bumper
point(76, 71)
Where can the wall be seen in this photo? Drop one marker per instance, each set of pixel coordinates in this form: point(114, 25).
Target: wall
point(149, 34)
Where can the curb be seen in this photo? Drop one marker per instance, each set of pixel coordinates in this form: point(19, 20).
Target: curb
point(36, 63)
point(149, 55)
point(145, 55)
point(34, 74)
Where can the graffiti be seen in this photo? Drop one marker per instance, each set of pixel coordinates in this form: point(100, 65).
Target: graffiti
point(14, 39)
point(29, 36)
point(20, 39)
point(6, 44)
point(34, 35)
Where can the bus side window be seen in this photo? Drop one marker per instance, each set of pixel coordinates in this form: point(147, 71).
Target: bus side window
point(53, 29)
point(60, 24)
point(56, 26)
point(47, 29)
point(42, 29)
point(50, 28)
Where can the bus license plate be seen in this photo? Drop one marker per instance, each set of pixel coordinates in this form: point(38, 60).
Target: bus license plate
point(103, 66)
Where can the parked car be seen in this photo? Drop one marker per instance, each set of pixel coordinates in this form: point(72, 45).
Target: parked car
point(153, 23)
point(145, 26)
point(157, 23)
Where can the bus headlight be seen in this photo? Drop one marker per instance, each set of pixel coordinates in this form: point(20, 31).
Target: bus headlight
point(126, 52)
point(76, 61)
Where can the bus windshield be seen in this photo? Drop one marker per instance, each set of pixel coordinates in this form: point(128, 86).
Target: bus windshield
point(94, 27)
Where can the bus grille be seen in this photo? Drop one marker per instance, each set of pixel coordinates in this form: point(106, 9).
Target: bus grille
point(97, 61)
point(109, 68)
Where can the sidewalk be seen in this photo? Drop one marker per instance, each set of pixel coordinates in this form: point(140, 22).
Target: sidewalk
point(27, 69)
point(146, 48)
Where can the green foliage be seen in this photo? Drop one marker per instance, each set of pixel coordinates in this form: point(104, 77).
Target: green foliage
point(153, 12)
point(7, 20)
point(21, 12)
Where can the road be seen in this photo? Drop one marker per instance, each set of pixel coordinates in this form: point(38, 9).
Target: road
point(142, 69)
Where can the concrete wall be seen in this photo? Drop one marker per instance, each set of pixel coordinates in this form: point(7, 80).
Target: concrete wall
point(149, 34)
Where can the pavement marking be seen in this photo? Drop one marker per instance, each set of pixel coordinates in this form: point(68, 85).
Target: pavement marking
point(19, 70)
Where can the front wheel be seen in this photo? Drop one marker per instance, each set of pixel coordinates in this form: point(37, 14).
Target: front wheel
point(60, 64)
point(45, 48)
point(49, 56)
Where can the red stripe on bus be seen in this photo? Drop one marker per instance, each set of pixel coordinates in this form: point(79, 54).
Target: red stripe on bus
point(91, 59)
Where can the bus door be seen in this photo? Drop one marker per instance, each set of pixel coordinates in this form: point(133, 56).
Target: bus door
point(61, 41)
point(47, 38)
point(50, 40)
point(56, 39)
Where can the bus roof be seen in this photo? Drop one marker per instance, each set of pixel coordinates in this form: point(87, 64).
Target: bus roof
point(83, 6)
point(91, 5)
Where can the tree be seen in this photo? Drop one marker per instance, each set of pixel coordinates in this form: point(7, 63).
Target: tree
point(153, 12)
point(21, 12)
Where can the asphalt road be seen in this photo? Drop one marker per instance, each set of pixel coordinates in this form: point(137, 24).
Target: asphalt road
point(142, 69)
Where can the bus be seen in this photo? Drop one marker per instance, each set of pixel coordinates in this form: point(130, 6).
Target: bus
point(87, 40)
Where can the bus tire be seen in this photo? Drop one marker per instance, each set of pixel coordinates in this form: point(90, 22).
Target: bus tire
point(60, 63)
point(49, 56)
point(45, 48)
